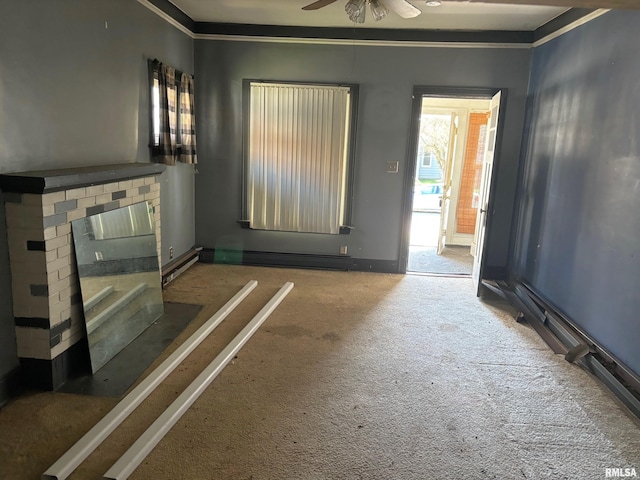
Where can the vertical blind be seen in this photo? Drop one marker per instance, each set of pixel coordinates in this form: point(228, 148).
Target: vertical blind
point(297, 158)
point(128, 221)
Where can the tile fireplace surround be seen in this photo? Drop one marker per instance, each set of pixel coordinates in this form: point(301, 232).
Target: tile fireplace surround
point(47, 306)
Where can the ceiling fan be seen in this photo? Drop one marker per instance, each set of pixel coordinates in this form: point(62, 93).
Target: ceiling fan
point(356, 9)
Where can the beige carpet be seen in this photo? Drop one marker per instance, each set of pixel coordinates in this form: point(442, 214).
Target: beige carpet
point(454, 260)
point(355, 376)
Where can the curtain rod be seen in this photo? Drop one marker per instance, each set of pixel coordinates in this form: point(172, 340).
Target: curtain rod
point(178, 72)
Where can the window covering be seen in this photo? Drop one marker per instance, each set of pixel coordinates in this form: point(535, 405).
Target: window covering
point(297, 159)
point(173, 136)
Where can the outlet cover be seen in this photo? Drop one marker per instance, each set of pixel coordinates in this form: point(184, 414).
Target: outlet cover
point(392, 166)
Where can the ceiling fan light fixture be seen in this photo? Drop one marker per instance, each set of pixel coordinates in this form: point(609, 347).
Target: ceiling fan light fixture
point(356, 10)
point(378, 9)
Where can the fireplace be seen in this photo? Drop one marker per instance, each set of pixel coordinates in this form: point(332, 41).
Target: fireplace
point(47, 305)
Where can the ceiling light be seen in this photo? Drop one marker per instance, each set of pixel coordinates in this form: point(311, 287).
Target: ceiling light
point(356, 9)
point(378, 9)
point(433, 3)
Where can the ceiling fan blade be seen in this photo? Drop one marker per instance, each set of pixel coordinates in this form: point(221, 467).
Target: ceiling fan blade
point(402, 8)
point(318, 4)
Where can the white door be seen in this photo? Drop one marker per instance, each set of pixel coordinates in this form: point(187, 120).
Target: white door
point(447, 176)
point(485, 187)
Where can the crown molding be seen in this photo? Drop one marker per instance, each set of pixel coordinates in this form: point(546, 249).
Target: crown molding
point(560, 25)
point(163, 10)
point(364, 43)
point(363, 36)
point(561, 30)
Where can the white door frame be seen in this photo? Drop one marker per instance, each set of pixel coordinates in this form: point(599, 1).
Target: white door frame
point(463, 108)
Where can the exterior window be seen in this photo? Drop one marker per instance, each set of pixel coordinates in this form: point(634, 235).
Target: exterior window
point(427, 159)
point(173, 135)
point(298, 150)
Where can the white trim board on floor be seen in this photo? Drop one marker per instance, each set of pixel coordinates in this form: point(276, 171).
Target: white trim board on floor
point(78, 453)
point(134, 456)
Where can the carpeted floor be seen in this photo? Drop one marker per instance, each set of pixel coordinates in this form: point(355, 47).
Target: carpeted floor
point(423, 251)
point(454, 260)
point(354, 376)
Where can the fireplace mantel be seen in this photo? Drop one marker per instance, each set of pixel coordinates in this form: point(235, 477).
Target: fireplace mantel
point(45, 181)
point(47, 307)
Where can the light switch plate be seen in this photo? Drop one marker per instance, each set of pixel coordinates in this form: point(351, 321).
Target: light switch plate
point(392, 166)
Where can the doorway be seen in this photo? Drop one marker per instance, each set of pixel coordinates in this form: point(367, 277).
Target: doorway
point(446, 184)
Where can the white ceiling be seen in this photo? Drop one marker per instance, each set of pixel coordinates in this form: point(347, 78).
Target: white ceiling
point(449, 16)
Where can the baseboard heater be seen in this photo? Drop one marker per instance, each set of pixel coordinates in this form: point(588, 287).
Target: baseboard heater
point(563, 337)
point(177, 267)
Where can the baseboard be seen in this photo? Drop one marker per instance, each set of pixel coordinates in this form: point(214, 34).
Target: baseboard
point(376, 266)
point(51, 374)
point(494, 273)
point(276, 259)
point(563, 337)
point(534, 318)
point(10, 385)
point(297, 260)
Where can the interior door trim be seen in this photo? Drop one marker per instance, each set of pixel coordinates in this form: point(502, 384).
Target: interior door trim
point(419, 92)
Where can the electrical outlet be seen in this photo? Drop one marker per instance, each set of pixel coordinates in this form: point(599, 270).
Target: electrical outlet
point(170, 253)
point(343, 249)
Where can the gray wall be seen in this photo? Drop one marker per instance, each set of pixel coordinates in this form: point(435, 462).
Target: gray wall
point(386, 76)
point(74, 92)
point(579, 231)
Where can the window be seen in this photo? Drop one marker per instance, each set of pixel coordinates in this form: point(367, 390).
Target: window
point(173, 135)
point(298, 156)
point(427, 159)
point(171, 98)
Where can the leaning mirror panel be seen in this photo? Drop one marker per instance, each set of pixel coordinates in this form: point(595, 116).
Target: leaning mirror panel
point(120, 278)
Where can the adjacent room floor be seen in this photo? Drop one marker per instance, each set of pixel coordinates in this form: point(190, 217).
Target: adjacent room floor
point(355, 375)
point(423, 251)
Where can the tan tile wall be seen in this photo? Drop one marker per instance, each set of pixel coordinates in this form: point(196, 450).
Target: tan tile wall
point(44, 278)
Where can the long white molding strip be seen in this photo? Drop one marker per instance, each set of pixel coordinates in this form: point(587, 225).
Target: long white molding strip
point(94, 437)
point(363, 43)
point(573, 25)
point(97, 298)
point(150, 438)
point(115, 307)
